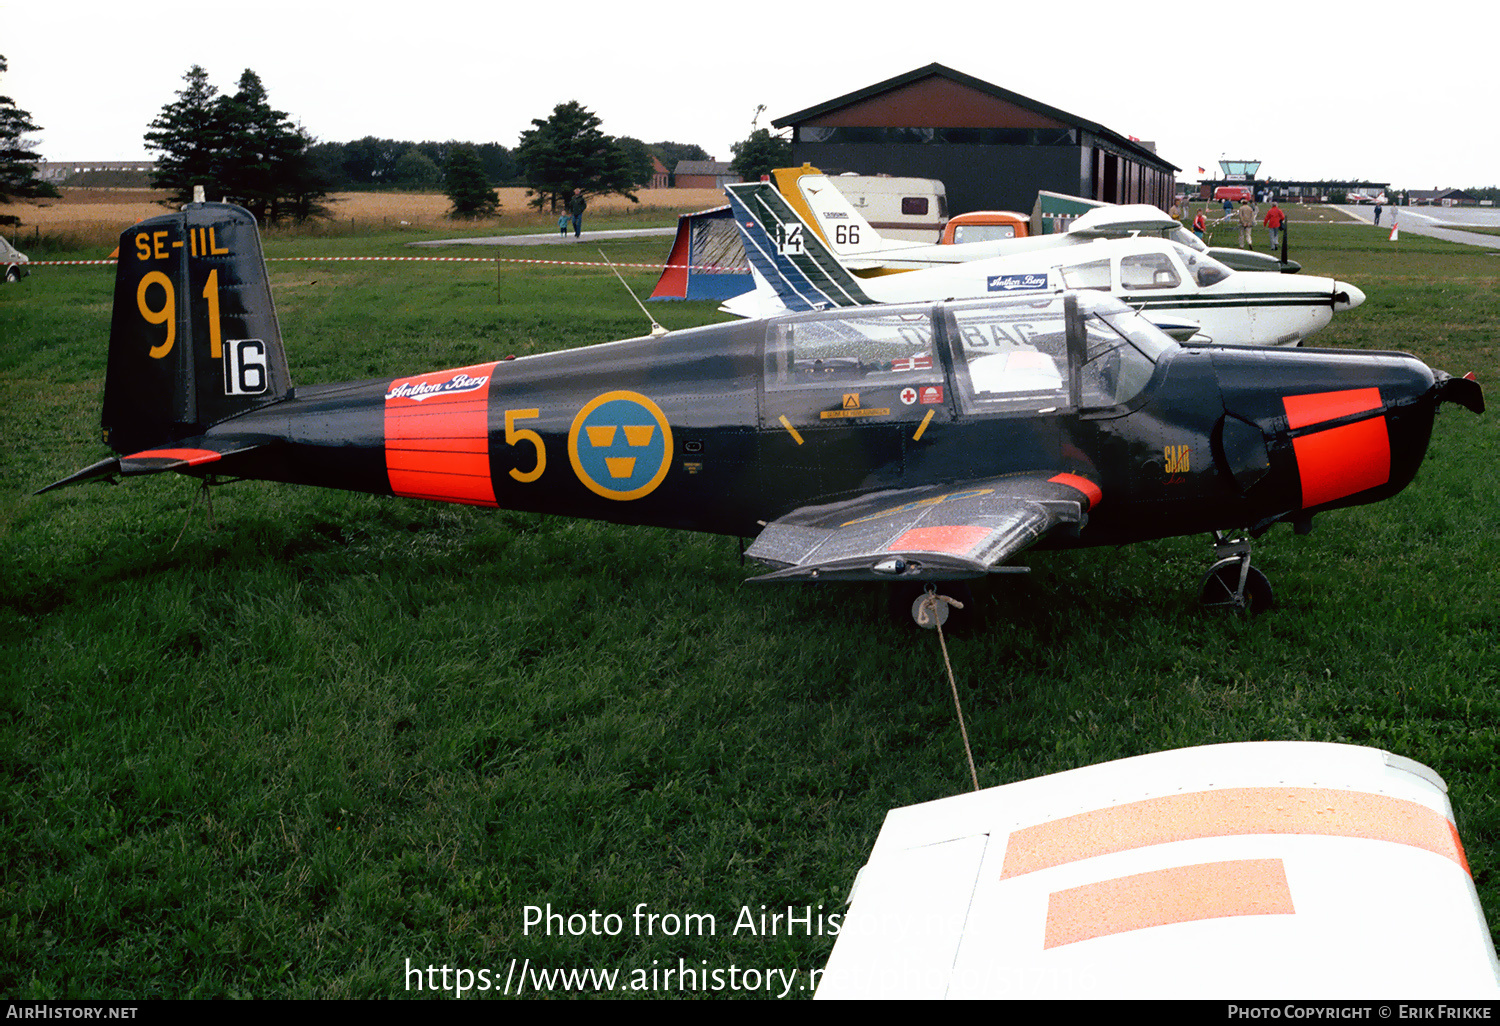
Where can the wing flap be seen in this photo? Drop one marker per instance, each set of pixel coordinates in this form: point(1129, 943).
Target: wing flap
point(932, 533)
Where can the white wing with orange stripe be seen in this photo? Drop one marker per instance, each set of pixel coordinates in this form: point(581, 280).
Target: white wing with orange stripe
point(1271, 869)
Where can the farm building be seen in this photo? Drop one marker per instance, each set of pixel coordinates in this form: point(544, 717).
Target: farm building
point(991, 148)
point(703, 174)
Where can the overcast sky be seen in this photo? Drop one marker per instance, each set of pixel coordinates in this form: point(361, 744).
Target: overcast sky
point(1327, 90)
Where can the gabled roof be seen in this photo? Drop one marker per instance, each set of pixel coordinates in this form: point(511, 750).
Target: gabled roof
point(810, 115)
point(702, 167)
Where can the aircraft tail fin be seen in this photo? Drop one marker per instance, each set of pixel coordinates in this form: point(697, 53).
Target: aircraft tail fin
point(194, 339)
point(818, 200)
point(790, 256)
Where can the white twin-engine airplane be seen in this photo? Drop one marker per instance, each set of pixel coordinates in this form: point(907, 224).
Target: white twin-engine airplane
point(1190, 295)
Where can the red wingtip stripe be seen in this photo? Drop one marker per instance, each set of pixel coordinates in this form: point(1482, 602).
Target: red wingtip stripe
point(192, 457)
point(1080, 484)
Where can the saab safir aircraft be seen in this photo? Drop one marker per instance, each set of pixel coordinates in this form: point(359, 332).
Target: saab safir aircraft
point(1189, 293)
point(912, 444)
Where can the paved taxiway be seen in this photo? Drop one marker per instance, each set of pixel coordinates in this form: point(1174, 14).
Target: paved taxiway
point(549, 239)
point(1438, 222)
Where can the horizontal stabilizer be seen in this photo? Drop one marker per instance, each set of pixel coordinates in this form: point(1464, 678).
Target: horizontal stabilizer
point(191, 455)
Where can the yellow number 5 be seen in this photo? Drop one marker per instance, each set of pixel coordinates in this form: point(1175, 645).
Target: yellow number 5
point(514, 435)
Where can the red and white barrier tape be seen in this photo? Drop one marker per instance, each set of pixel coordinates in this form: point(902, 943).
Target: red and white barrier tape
point(471, 260)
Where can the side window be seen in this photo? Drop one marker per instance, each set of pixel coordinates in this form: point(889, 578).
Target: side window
point(1092, 275)
point(873, 350)
point(1012, 358)
point(1114, 371)
point(1148, 271)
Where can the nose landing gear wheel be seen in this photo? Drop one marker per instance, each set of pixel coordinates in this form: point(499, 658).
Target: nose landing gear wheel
point(1234, 584)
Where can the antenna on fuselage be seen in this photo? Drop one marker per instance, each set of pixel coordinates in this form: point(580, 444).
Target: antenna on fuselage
point(656, 329)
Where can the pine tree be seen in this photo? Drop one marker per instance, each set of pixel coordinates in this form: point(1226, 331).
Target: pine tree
point(467, 186)
point(566, 152)
point(187, 136)
point(18, 162)
point(237, 147)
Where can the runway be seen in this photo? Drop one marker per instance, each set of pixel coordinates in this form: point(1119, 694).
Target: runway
point(1438, 222)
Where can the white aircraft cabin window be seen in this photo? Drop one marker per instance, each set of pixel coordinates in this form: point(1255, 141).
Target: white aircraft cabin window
point(1014, 355)
point(1091, 275)
point(875, 349)
point(1148, 271)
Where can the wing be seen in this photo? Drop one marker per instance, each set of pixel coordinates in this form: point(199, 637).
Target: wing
point(933, 533)
point(190, 456)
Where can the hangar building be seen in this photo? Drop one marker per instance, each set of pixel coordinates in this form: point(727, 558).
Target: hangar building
point(991, 148)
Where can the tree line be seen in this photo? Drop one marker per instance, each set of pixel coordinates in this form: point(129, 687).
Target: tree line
point(238, 147)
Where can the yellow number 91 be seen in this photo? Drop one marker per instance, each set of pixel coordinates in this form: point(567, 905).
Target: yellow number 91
point(163, 315)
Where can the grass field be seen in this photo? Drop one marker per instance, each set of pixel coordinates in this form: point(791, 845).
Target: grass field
point(314, 740)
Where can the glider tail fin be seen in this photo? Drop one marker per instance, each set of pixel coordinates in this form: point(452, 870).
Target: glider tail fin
point(788, 254)
point(194, 339)
point(825, 208)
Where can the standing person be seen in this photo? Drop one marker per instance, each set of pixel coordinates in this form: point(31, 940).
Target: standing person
point(1245, 215)
point(1274, 219)
point(576, 206)
point(1176, 211)
point(562, 222)
point(1377, 215)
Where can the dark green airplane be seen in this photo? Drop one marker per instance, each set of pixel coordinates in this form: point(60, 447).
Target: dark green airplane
point(911, 444)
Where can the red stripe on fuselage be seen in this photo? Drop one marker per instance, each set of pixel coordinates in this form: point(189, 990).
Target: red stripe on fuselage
point(1302, 410)
point(437, 436)
point(1343, 460)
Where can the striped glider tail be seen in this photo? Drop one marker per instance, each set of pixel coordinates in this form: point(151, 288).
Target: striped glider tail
point(788, 254)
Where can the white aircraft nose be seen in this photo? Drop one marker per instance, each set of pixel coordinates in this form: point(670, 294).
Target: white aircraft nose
point(1346, 296)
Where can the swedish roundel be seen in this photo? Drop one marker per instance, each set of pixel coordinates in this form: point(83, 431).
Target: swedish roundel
point(620, 445)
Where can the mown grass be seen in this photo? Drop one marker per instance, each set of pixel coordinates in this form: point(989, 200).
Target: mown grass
point(323, 734)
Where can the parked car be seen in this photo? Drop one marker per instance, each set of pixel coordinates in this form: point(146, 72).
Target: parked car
point(14, 260)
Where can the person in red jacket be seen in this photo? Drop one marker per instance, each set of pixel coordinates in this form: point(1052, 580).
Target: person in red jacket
point(1274, 220)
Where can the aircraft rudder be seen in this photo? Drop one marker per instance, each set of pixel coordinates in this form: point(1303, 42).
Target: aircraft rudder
point(788, 254)
point(193, 334)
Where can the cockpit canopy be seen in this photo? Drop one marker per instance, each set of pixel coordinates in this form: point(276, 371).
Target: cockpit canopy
point(1080, 349)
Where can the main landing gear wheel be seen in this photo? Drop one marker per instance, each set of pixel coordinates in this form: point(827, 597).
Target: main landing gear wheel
point(1232, 583)
point(1222, 588)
